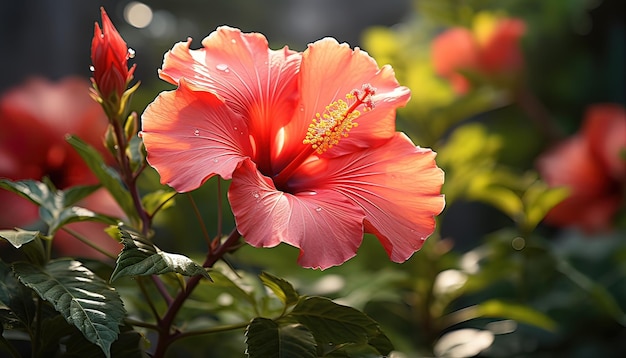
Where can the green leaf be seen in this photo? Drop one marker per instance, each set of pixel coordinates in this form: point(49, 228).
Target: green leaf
point(29, 242)
point(51, 332)
point(18, 237)
point(108, 177)
point(16, 296)
point(82, 298)
point(35, 191)
point(158, 200)
point(501, 309)
point(539, 199)
point(140, 257)
point(55, 208)
point(281, 288)
point(333, 324)
point(266, 338)
point(73, 194)
point(128, 345)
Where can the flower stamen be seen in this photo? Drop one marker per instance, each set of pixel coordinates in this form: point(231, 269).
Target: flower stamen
point(328, 128)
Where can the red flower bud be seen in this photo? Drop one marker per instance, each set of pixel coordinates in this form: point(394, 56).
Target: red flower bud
point(109, 55)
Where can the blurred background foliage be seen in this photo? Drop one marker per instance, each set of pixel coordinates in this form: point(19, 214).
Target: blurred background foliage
point(494, 281)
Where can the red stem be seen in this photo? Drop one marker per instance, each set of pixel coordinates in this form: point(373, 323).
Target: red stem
point(166, 336)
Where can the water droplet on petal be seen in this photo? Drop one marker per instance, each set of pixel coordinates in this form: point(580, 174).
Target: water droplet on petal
point(301, 108)
point(215, 160)
point(318, 209)
point(222, 67)
point(235, 128)
point(196, 132)
point(233, 41)
point(92, 69)
point(131, 53)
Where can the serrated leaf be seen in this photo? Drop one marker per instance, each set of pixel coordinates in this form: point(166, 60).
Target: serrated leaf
point(82, 298)
point(140, 257)
point(108, 177)
point(281, 288)
point(16, 296)
point(333, 324)
point(266, 338)
point(158, 200)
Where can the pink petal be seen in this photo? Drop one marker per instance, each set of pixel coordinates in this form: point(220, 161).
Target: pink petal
point(325, 226)
point(257, 83)
point(397, 185)
point(192, 135)
point(329, 72)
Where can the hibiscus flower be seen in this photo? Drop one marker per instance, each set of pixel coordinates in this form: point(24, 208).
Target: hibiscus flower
point(592, 166)
point(491, 49)
point(308, 140)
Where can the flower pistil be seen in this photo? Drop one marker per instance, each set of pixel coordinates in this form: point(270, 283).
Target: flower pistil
point(328, 128)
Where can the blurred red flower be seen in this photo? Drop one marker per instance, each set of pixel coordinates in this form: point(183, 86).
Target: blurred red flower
point(35, 118)
point(592, 165)
point(111, 75)
point(492, 51)
point(308, 140)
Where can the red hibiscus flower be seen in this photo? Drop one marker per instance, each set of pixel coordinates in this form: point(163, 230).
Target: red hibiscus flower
point(492, 50)
point(35, 118)
point(111, 75)
point(592, 165)
point(308, 140)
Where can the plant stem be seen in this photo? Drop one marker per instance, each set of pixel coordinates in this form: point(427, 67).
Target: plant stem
point(205, 232)
point(166, 336)
point(129, 178)
point(89, 243)
point(225, 328)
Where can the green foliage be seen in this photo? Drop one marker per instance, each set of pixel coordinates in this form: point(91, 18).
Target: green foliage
point(82, 298)
point(55, 206)
point(265, 338)
point(107, 176)
point(140, 257)
point(30, 243)
point(281, 288)
point(158, 200)
point(335, 326)
point(16, 297)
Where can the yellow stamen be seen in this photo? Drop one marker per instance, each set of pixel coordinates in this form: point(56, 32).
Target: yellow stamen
point(328, 128)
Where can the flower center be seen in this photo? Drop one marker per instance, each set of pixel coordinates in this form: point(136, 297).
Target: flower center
point(328, 128)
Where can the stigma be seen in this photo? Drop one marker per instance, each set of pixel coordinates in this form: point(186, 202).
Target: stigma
point(338, 118)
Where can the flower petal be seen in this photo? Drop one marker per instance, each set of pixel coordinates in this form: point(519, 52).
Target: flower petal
point(330, 71)
point(257, 83)
point(191, 135)
point(326, 226)
point(605, 132)
point(398, 186)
